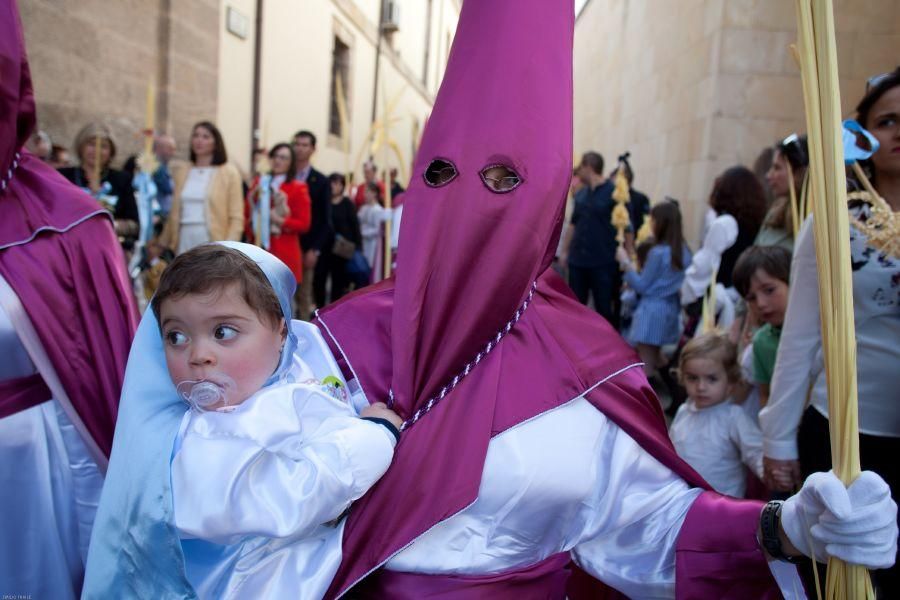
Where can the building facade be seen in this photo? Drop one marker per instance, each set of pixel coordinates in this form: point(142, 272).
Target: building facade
point(259, 69)
point(695, 86)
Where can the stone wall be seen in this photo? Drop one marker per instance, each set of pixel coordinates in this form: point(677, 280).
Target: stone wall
point(93, 59)
point(695, 86)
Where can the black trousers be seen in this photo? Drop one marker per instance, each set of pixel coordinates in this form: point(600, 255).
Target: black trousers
point(330, 266)
point(598, 282)
point(876, 453)
point(320, 278)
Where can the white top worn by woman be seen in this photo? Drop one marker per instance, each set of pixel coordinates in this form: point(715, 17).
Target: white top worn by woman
point(193, 208)
point(718, 441)
point(257, 491)
point(720, 236)
point(876, 309)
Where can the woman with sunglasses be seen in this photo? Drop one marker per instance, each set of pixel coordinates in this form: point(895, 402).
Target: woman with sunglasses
point(789, 163)
point(291, 213)
point(796, 431)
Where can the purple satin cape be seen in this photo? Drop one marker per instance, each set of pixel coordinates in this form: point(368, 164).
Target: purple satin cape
point(545, 580)
point(60, 255)
point(22, 393)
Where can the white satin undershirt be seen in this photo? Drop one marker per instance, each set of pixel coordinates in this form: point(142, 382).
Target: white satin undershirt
point(569, 480)
point(51, 488)
point(263, 482)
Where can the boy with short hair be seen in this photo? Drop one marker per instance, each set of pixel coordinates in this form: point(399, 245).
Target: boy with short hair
point(762, 277)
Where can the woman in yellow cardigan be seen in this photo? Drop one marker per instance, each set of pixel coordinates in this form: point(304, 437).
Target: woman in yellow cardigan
point(208, 201)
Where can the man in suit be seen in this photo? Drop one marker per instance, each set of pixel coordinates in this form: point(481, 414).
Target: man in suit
point(312, 288)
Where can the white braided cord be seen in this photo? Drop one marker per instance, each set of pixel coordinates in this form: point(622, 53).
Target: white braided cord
point(492, 344)
point(4, 183)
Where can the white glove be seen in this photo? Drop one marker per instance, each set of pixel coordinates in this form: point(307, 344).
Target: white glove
point(857, 524)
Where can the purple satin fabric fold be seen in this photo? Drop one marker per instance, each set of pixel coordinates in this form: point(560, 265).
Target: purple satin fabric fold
point(76, 293)
point(718, 555)
point(22, 393)
point(545, 580)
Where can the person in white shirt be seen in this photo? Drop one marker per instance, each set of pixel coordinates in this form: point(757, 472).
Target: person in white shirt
point(712, 433)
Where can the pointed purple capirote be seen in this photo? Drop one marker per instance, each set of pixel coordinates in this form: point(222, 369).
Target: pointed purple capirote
point(469, 255)
point(475, 334)
point(60, 255)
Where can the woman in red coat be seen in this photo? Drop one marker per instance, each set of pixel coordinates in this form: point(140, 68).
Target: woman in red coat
point(290, 215)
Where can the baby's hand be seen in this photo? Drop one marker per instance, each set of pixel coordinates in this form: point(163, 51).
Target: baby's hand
point(379, 410)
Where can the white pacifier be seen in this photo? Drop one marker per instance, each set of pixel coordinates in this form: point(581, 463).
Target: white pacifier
point(203, 394)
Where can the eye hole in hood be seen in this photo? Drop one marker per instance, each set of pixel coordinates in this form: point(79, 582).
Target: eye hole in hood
point(440, 172)
point(500, 179)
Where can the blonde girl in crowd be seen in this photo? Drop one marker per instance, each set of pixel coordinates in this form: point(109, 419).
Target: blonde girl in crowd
point(710, 431)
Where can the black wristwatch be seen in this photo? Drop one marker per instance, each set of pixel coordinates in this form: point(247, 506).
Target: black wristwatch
point(769, 521)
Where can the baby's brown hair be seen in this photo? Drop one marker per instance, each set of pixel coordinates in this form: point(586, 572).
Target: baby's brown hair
point(213, 267)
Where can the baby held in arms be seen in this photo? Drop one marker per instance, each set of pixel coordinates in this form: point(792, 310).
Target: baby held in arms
point(270, 453)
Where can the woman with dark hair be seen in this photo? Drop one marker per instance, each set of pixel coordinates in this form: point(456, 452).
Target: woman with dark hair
point(344, 223)
point(208, 199)
point(795, 421)
point(789, 163)
point(108, 186)
point(739, 202)
point(290, 214)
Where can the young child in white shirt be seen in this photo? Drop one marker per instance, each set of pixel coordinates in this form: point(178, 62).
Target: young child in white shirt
point(268, 457)
point(710, 432)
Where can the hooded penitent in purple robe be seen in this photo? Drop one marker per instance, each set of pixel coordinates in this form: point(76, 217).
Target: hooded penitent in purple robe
point(475, 334)
point(60, 257)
